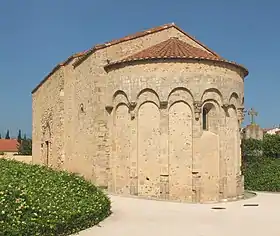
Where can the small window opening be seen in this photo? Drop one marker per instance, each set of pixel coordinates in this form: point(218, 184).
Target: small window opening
point(204, 119)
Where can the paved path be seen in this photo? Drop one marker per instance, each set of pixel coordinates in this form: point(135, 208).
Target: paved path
point(138, 217)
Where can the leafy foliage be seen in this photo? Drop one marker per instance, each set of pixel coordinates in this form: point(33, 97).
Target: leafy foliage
point(36, 200)
point(25, 147)
point(261, 165)
point(252, 147)
point(262, 174)
point(271, 145)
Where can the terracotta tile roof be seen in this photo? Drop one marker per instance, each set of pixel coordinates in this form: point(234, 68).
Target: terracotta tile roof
point(83, 55)
point(68, 60)
point(173, 48)
point(138, 35)
point(8, 145)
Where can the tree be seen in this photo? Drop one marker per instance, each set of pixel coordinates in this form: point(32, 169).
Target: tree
point(7, 135)
point(0, 136)
point(19, 136)
point(24, 137)
point(25, 147)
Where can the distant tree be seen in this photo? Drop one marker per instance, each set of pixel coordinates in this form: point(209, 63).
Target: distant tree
point(19, 136)
point(7, 135)
point(25, 146)
point(0, 136)
point(24, 137)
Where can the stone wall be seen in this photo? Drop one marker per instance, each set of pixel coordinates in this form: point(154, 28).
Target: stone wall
point(149, 139)
point(90, 152)
point(47, 121)
point(253, 131)
point(159, 147)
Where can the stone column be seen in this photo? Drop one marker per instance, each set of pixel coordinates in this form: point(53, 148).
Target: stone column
point(222, 158)
point(239, 177)
point(164, 163)
point(133, 149)
point(196, 161)
point(111, 149)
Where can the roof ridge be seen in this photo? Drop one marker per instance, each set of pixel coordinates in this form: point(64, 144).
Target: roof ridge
point(173, 48)
point(138, 35)
point(61, 64)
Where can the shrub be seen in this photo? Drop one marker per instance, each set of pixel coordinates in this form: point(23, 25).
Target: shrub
point(36, 200)
point(262, 174)
point(271, 145)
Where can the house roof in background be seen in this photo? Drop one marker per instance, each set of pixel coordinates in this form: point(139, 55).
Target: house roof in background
point(8, 145)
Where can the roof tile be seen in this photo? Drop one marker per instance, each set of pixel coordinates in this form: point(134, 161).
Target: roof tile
point(173, 48)
point(8, 145)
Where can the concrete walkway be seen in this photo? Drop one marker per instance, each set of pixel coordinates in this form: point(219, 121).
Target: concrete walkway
point(138, 217)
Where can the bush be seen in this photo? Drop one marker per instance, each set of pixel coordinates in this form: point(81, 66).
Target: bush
point(262, 174)
point(36, 200)
point(261, 163)
point(271, 145)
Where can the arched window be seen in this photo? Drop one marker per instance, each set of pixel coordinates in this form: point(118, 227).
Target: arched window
point(205, 115)
point(204, 119)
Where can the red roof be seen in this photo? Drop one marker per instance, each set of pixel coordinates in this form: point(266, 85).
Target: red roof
point(83, 55)
point(173, 48)
point(8, 145)
point(138, 35)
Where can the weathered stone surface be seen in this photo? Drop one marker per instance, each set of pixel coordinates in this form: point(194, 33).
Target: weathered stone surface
point(165, 129)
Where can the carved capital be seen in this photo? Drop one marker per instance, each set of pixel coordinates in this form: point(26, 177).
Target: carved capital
point(240, 114)
point(132, 115)
point(225, 106)
point(197, 109)
point(109, 108)
point(163, 104)
point(132, 105)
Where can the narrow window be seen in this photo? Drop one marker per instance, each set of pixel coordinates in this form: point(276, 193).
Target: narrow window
point(204, 118)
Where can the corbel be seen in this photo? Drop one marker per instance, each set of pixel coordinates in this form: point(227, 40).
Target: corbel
point(131, 107)
point(109, 108)
point(163, 104)
point(197, 109)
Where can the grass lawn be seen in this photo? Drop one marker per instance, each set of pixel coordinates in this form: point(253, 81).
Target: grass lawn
point(36, 200)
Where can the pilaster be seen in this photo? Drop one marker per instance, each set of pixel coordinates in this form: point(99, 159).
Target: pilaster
point(164, 162)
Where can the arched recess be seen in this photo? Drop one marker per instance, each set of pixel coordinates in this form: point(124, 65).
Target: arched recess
point(180, 94)
point(119, 97)
point(209, 150)
point(46, 143)
point(180, 150)
point(147, 95)
point(232, 151)
point(120, 160)
point(234, 100)
point(148, 150)
point(211, 116)
point(212, 94)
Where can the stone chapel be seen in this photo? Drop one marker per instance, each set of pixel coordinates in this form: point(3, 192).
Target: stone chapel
point(156, 114)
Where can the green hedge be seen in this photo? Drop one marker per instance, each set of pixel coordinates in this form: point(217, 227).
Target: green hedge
point(261, 163)
point(36, 200)
point(262, 174)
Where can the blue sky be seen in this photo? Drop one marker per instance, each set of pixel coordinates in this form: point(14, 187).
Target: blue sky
point(36, 35)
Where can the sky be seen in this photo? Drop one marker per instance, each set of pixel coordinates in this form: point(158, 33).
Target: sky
point(36, 35)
